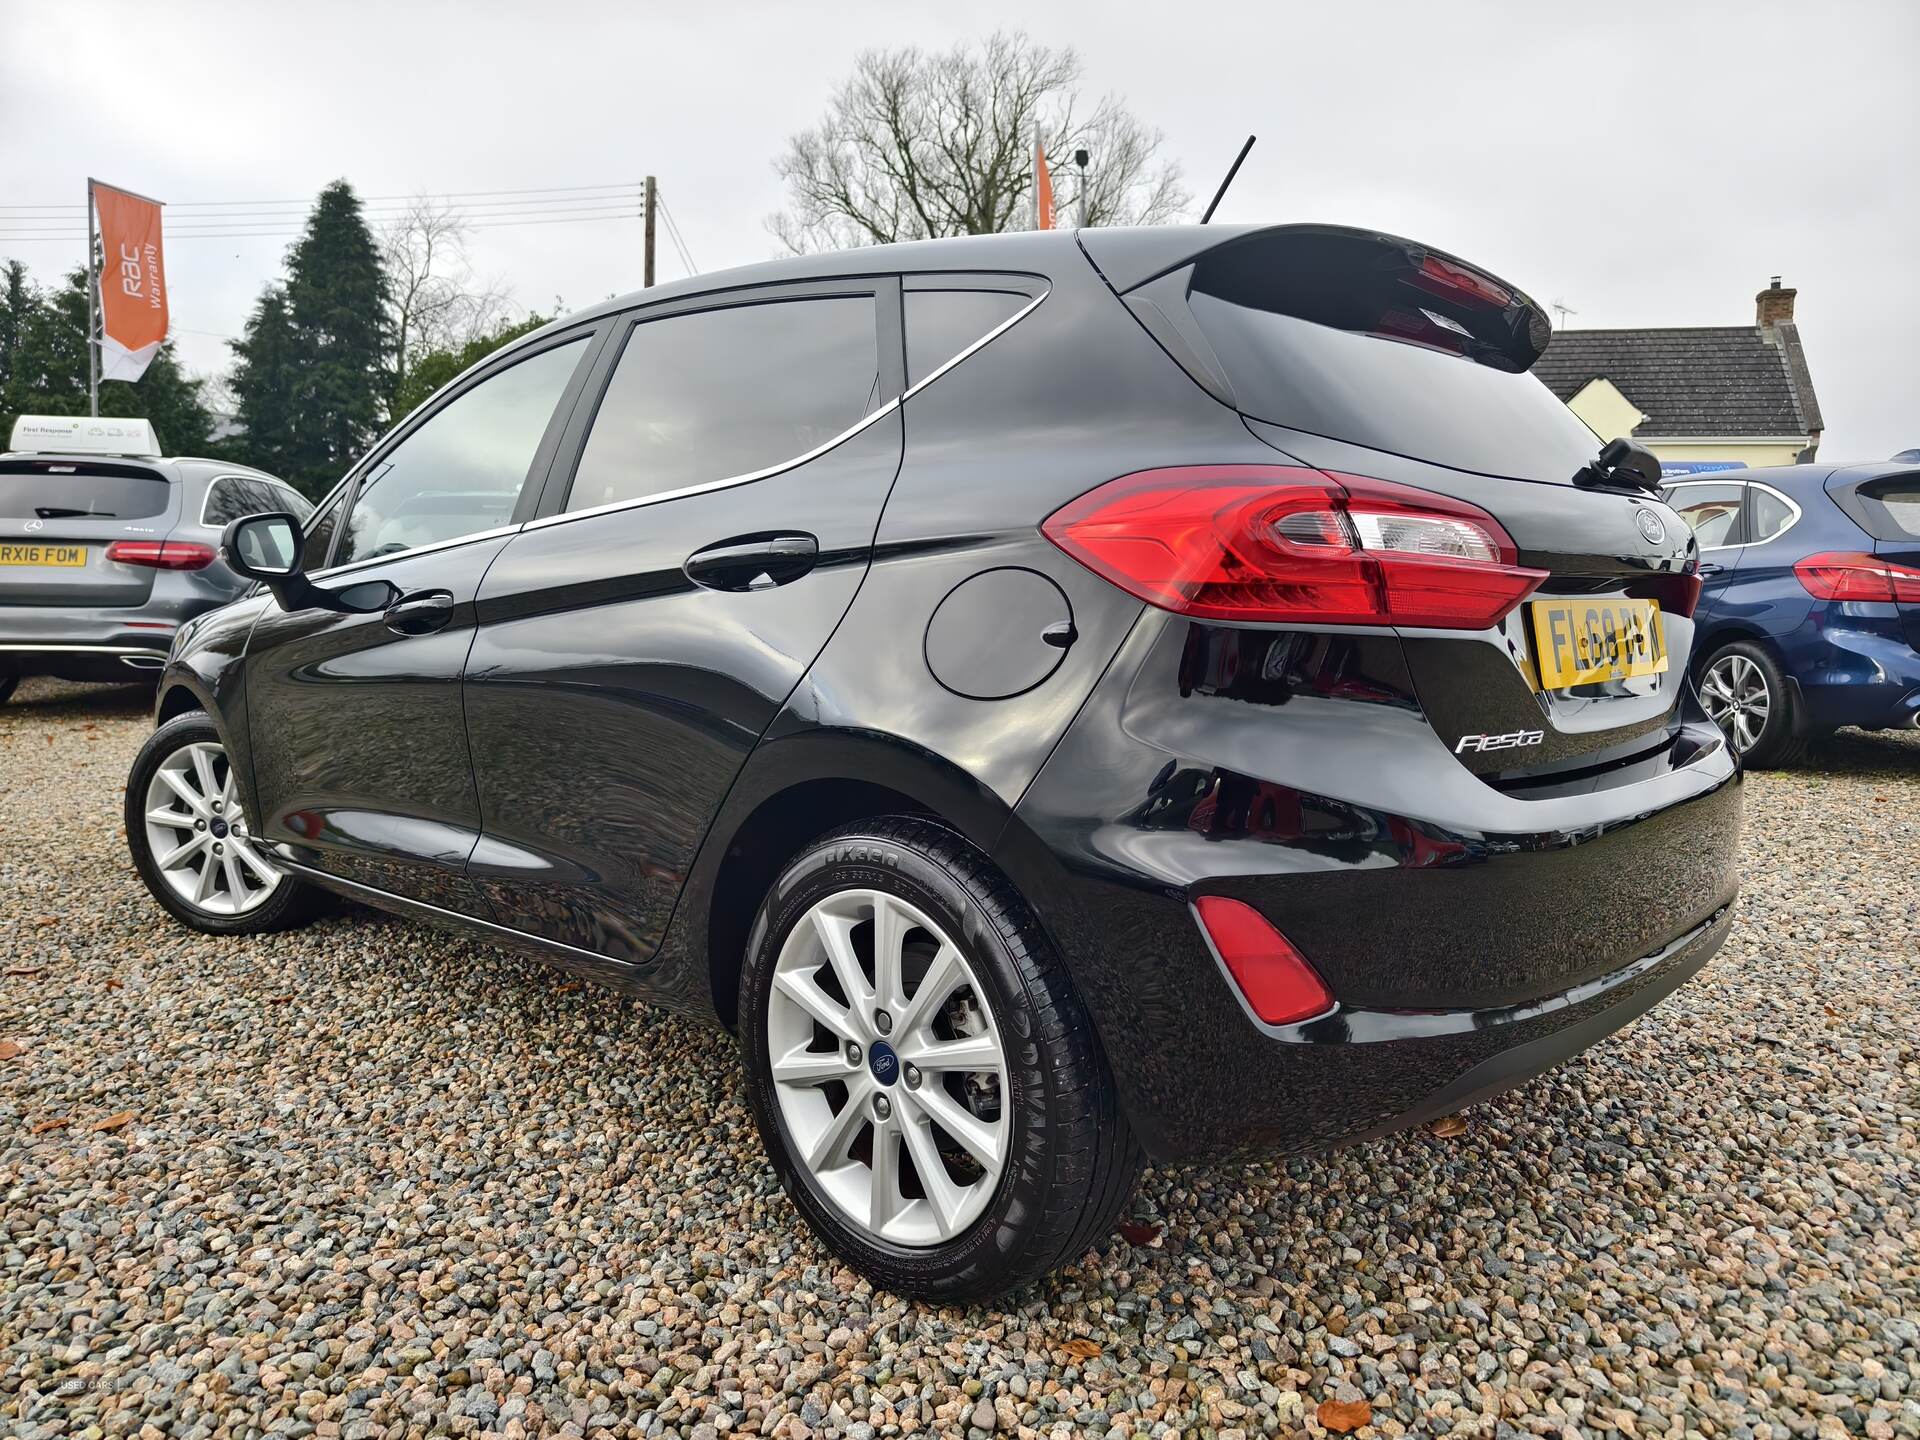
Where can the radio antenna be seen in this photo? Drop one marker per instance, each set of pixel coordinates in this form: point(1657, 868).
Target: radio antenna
point(1232, 171)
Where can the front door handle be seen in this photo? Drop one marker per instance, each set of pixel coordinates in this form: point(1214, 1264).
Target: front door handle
point(753, 562)
point(1708, 567)
point(421, 613)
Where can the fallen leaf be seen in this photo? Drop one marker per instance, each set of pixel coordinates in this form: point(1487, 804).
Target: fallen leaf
point(569, 987)
point(1341, 1416)
point(45, 1125)
point(278, 999)
point(49, 737)
point(9, 1049)
point(113, 984)
point(114, 1122)
point(1136, 1233)
point(1080, 1349)
point(24, 971)
point(1448, 1126)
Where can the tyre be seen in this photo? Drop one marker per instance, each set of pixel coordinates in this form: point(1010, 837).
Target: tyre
point(925, 1079)
point(1749, 699)
point(191, 843)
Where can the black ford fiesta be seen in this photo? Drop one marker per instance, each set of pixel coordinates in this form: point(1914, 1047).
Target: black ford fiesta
point(1062, 699)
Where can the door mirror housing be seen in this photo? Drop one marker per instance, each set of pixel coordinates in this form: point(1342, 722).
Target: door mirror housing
point(271, 548)
point(266, 547)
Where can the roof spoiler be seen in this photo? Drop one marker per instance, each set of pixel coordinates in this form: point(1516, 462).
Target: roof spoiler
point(1358, 280)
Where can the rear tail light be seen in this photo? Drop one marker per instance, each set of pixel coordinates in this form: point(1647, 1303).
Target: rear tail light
point(1278, 543)
point(1852, 575)
point(1279, 984)
point(162, 554)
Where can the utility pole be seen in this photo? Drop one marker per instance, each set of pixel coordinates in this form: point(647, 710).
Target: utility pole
point(93, 312)
point(653, 204)
point(1080, 158)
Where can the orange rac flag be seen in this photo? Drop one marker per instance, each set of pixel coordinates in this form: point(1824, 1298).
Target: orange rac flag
point(1042, 189)
point(133, 282)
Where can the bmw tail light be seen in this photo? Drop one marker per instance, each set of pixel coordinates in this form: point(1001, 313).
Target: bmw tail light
point(162, 554)
point(1278, 982)
point(1852, 575)
point(1279, 543)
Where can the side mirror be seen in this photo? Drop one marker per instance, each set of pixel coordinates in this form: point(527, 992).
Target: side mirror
point(265, 547)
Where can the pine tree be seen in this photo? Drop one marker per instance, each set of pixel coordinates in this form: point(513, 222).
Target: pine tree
point(336, 299)
point(265, 383)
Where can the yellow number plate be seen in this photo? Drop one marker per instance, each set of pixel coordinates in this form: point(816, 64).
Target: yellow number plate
point(1579, 642)
point(43, 555)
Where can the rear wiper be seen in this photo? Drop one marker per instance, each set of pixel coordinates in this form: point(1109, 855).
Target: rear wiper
point(1621, 465)
point(58, 512)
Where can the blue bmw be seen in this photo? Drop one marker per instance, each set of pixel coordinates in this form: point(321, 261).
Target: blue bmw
point(1809, 613)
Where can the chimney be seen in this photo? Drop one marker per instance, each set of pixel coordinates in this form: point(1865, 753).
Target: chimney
point(1773, 306)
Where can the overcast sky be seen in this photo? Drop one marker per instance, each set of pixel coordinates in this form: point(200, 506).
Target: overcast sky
point(1644, 164)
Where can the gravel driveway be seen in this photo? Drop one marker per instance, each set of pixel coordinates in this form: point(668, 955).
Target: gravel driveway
point(368, 1179)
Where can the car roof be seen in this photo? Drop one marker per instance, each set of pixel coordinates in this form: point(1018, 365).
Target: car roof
point(1815, 476)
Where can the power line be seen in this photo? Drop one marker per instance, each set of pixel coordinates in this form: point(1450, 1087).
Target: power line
point(673, 233)
point(632, 186)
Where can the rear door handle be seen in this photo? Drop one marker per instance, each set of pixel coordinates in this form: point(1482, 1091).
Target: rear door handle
point(420, 613)
point(753, 562)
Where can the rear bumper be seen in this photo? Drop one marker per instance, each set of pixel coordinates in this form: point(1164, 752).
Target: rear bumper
point(142, 660)
point(1853, 673)
point(1470, 938)
point(107, 643)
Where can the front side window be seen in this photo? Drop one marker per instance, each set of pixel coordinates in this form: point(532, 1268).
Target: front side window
point(460, 472)
point(233, 496)
point(1712, 512)
point(723, 393)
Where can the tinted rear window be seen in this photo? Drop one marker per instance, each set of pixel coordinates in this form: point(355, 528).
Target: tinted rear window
point(39, 491)
point(942, 323)
point(1891, 508)
point(1391, 394)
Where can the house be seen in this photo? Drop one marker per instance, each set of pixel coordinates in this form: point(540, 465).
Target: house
point(1701, 398)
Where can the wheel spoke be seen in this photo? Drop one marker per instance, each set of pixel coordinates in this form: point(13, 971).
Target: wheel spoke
point(976, 1137)
point(810, 1067)
point(203, 887)
point(830, 1145)
point(250, 858)
point(799, 987)
point(884, 1201)
point(203, 772)
point(945, 975)
point(236, 886)
point(180, 855)
point(943, 1195)
point(177, 782)
point(969, 1052)
point(174, 818)
point(836, 938)
point(890, 927)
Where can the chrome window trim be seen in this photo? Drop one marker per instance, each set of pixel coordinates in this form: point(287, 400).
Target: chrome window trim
point(206, 499)
point(728, 482)
point(354, 566)
point(1786, 500)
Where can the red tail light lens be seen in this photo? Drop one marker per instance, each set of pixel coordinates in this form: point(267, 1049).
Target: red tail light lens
point(1278, 982)
point(1277, 543)
point(162, 554)
point(1852, 575)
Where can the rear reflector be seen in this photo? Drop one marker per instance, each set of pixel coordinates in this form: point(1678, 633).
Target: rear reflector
point(162, 554)
point(1280, 543)
point(1852, 575)
point(1279, 984)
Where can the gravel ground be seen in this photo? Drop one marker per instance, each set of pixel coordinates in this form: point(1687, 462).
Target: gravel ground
point(367, 1179)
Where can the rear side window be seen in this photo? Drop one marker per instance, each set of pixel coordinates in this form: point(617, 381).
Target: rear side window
point(1891, 508)
point(942, 323)
point(723, 393)
point(233, 496)
point(1712, 512)
point(41, 490)
point(1768, 516)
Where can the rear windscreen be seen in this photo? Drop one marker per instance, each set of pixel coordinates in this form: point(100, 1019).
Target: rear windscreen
point(1890, 509)
point(1380, 343)
point(39, 491)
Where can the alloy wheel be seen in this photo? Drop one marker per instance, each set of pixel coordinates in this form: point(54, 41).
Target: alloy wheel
point(888, 1068)
point(1735, 693)
point(198, 836)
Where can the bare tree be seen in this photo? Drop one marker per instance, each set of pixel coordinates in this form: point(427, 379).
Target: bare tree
point(437, 301)
point(916, 145)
